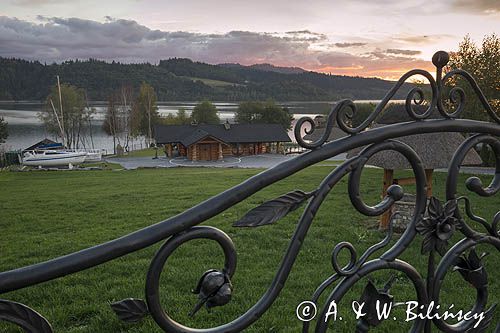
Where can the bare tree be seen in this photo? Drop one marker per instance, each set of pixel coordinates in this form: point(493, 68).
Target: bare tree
point(69, 125)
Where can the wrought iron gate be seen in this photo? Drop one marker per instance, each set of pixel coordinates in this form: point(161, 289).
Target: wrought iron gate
point(435, 221)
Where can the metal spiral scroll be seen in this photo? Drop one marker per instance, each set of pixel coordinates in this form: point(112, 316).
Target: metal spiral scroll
point(153, 277)
point(343, 111)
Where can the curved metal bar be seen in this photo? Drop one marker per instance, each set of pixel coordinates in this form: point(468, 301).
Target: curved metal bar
point(342, 117)
point(394, 192)
point(458, 90)
point(330, 122)
point(474, 184)
point(353, 264)
point(443, 267)
point(153, 277)
point(317, 294)
point(375, 265)
point(90, 257)
point(494, 225)
point(473, 217)
point(297, 131)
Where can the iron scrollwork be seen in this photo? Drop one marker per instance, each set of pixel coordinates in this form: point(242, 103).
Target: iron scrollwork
point(436, 221)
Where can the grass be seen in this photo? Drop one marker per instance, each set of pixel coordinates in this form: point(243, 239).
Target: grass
point(48, 214)
point(146, 152)
point(102, 165)
point(212, 83)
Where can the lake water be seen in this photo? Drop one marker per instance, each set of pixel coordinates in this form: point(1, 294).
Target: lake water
point(25, 128)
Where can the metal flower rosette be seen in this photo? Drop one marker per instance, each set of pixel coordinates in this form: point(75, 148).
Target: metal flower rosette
point(435, 223)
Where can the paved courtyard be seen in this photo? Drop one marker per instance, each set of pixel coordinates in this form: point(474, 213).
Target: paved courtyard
point(254, 161)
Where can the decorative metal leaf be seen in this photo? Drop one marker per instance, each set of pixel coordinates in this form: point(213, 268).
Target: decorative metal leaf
point(24, 317)
point(130, 310)
point(273, 210)
point(435, 208)
point(370, 297)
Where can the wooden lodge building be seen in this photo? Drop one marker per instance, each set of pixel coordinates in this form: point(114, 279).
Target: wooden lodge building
point(213, 142)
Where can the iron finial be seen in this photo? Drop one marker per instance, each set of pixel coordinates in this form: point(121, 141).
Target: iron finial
point(440, 59)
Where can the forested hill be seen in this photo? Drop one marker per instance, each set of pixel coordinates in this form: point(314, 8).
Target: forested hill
point(183, 79)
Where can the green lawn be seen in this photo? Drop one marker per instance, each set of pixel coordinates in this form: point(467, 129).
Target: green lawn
point(47, 214)
point(146, 152)
point(212, 83)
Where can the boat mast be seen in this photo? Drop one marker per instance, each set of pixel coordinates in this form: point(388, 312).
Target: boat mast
point(57, 118)
point(61, 107)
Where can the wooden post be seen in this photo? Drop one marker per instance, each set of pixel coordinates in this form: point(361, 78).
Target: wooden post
point(388, 180)
point(220, 152)
point(195, 152)
point(428, 175)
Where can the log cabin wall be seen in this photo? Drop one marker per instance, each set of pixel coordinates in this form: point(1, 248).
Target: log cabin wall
point(228, 150)
point(182, 150)
point(208, 149)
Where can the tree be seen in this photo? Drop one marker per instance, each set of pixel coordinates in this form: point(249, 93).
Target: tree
point(180, 118)
point(145, 113)
point(125, 110)
point(112, 124)
point(68, 122)
point(3, 130)
point(275, 114)
point(205, 113)
point(249, 112)
point(263, 113)
point(483, 63)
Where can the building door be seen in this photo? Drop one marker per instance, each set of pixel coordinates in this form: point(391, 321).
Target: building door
point(207, 151)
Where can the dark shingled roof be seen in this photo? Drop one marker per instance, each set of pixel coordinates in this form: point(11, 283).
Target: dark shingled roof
point(435, 150)
point(236, 133)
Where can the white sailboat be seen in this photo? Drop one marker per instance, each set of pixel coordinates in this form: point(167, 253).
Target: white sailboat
point(48, 158)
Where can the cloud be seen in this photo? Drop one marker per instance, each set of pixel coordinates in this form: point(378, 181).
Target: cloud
point(421, 39)
point(403, 52)
point(477, 6)
point(349, 44)
point(36, 2)
point(302, 36)
point(55, 39)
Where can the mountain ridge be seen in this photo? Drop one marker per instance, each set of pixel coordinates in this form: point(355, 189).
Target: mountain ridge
point(179, 79)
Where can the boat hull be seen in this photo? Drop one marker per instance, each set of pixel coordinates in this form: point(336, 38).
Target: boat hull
point(55, 160)
point(93, 157)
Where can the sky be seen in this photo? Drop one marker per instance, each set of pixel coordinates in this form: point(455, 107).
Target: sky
point(382, 38)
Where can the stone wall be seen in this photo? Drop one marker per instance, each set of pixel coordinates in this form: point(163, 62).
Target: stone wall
point(405, 207)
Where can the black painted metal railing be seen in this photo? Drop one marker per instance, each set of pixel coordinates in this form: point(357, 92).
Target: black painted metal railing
point(435, 221)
